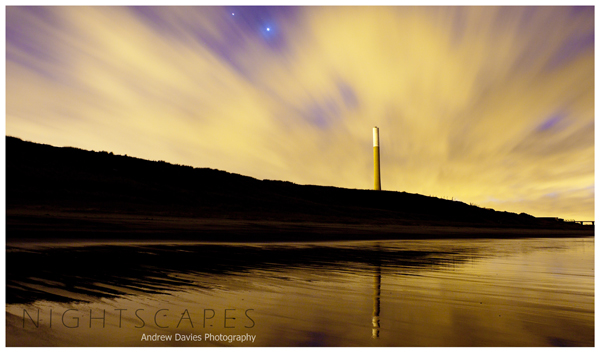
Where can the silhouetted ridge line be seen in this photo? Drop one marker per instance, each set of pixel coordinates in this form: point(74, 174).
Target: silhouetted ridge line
point(71, 179)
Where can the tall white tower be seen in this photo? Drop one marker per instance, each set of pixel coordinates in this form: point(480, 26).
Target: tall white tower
point(376, 173)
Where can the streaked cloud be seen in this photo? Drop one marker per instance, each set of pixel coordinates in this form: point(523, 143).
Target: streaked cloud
point(489, 105)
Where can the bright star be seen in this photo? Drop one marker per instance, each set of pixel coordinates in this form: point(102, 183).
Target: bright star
point(233, 14)
point(268, 29)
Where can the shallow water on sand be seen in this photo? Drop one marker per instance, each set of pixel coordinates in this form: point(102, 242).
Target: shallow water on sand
point(484, 292)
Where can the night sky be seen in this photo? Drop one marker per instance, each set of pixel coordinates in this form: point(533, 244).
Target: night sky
point(488, 105)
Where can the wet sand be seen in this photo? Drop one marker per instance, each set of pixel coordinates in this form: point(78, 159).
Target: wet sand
point(415, 293)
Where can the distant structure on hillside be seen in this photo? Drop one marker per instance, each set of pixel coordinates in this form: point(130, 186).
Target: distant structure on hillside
point(376, 174)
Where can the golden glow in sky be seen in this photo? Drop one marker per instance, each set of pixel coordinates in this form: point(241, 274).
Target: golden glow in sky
point(488, 105)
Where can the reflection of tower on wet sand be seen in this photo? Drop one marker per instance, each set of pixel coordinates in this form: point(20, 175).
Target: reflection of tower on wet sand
point(376, 300)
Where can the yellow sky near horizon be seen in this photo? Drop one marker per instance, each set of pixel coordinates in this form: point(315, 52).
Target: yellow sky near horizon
point(488, 105)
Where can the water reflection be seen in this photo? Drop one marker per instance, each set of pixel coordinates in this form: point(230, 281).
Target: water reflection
point(535, 292)
point(115, 270)
point(376, 300)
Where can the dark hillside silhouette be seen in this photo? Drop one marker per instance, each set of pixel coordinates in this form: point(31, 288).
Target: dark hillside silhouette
point(42, 180)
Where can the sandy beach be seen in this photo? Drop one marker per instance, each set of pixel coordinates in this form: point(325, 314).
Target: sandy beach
point(35, 226)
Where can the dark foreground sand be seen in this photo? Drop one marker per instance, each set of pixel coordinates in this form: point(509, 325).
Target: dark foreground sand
point(37, 226)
